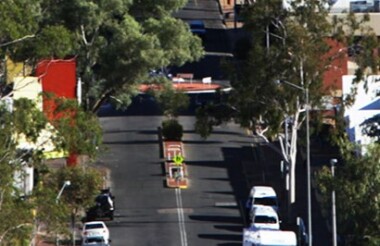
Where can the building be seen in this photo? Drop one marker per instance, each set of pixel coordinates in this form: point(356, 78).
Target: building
point(365, 106)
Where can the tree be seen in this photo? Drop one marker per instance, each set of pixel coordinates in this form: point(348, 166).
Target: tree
point(116, 42)
point(288, 53)
point(80, 195)
point(24, 120)
point(19, 21)
point(357, 186)
point(76, 131)
point(171, 100)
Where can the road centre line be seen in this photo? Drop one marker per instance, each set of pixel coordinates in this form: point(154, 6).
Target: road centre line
point(181, 217)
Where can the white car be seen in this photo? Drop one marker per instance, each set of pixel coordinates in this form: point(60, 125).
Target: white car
point(262, 195)
point(95, 229)
point(264, 217)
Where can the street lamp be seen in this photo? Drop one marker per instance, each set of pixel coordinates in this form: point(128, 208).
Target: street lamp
point(307, 111)
point(66, 183)
point(333, 163)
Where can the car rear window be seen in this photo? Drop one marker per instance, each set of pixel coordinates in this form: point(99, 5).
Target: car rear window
point(266, 201)
point(265, 219)
point(93, 226)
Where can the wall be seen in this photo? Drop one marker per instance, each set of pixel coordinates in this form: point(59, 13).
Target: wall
point(57, 77)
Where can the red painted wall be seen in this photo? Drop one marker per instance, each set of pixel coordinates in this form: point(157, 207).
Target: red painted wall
point(59, 78)
point(332, 78)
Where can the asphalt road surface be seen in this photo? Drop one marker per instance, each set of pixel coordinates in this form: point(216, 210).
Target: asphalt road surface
point(222, 169)
point(148, 213)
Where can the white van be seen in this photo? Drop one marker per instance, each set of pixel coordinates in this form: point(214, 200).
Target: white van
point(262, 195)
point(269, 238)
point(264, 217)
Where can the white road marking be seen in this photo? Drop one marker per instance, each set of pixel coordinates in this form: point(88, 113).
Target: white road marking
point(225, 204)
point(181, 217)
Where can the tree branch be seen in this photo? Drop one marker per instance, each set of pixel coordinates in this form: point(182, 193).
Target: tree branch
point(13, 228)
point(17, 40)
point(83, 35)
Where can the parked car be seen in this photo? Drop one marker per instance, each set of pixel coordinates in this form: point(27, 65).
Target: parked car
point(95, 229)
point(262, 195)
point(198, 27)
point(104, 207)
point(302, 236)
point(264, 217)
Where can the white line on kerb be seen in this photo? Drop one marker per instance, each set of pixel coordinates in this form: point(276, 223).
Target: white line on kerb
point(181, 217)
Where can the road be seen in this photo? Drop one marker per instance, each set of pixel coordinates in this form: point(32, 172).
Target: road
point(222, 168)
point(147, 213)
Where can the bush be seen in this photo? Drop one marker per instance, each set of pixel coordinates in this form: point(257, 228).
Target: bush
point(172, 130)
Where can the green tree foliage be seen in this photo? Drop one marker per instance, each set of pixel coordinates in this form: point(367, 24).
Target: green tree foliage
point(357, 187)
point(85, 185)
point(77, 131)
point(172, 130)
point(24, 120)
point(80, 194)
point(116, 42)
point(51, 215)
point(19, 20)
point(171, 100)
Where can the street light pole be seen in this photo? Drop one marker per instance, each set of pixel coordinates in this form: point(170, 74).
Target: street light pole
point(309, 213)
point(333, 209)
point(66, 183)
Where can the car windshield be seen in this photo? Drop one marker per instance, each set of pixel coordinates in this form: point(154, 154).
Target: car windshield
point(93, 226)
point(265, 220)
point(268, 201)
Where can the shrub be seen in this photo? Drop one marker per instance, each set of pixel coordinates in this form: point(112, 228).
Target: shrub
point(172, 130)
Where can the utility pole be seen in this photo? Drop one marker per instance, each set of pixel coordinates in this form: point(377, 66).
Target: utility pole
point(333, 209)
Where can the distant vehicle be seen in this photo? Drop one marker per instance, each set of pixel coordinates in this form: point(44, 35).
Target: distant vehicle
point(264, 217)
point(269, 238)
point(262, 195)
point(197, 27)
point(95, 241)
point(302, 236)
point(95, 229)
point(104, 207)
point(361, 6)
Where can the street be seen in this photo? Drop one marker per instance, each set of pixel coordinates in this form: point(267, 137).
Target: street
point(147, 212)
point(222, 169)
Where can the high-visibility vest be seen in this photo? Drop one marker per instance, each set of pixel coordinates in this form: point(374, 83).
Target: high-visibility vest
point(178, 159)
